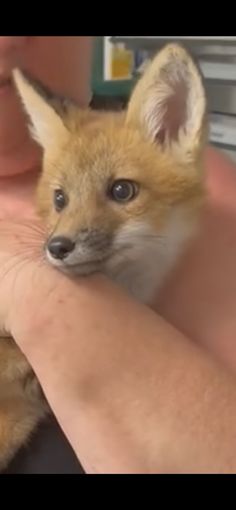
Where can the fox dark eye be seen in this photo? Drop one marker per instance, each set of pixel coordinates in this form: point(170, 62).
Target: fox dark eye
point(123, 190)
point(60, 199)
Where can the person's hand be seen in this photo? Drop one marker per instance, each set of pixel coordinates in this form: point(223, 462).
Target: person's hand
point(21, 257)
point(21, 238)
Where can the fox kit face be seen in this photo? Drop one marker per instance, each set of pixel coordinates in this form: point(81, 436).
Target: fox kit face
point(121, 192)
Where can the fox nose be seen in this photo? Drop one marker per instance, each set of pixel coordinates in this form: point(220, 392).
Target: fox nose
point(59, 247)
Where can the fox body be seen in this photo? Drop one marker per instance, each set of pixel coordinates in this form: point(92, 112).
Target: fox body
point(120, 193)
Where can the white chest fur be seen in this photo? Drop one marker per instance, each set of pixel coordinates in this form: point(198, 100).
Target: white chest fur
point(144, 256)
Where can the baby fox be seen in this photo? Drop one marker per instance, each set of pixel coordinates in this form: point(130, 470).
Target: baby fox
point(120, 193)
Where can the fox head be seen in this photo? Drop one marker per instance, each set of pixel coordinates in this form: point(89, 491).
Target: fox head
point(121, 192)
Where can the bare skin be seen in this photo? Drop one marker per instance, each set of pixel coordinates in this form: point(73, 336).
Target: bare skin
point(200, 299)
point(126, 381)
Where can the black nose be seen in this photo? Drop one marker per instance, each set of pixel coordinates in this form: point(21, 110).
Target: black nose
point(59, 247)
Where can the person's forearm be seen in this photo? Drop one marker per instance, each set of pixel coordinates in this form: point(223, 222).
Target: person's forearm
point(131, 393)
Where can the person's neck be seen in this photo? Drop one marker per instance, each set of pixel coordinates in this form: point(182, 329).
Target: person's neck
point(19, 158)
point(18, 152)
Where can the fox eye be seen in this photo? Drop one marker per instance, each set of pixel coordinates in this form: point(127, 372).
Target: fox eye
point(60, 199)
point(123, 190)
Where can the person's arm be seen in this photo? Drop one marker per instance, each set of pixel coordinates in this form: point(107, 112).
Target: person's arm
point(131, 393)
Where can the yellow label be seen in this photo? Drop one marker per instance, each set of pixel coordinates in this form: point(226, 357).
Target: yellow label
point(121, 64)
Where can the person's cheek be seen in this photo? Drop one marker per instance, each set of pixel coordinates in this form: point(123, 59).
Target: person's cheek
point(11, 51)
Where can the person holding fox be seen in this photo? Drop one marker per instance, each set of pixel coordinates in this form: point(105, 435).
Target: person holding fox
point(131, 333)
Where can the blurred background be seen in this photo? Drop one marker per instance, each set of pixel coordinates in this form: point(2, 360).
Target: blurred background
point(119, 60)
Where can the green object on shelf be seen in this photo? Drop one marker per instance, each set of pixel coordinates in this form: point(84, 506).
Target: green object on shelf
point(100, 87)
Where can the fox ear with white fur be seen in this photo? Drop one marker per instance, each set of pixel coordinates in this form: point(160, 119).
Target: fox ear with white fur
point(169, 103)
point(46, 124)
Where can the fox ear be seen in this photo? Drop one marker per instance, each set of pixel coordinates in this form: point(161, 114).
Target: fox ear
point(169, 103)
point(46, 124)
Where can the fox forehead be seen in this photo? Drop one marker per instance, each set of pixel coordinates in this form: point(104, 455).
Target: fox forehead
point(105, 139)
point(106, 150)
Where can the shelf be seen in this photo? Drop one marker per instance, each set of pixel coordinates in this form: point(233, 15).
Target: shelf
point(223, 130)
point(221, 97)
point(146, 42)
point(222, 71)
